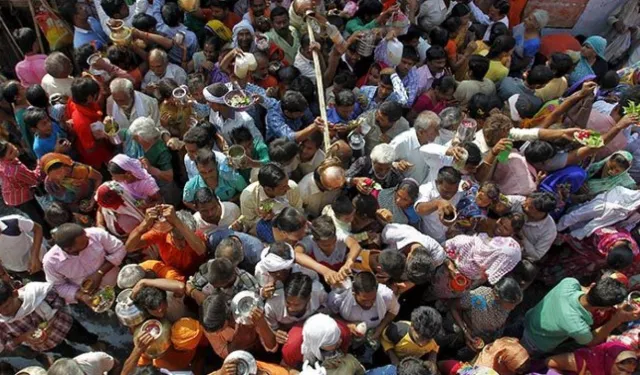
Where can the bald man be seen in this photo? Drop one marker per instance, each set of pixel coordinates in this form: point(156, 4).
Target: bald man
point(321, 187)
point(159, 68)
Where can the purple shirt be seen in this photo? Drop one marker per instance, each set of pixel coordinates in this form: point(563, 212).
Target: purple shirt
point(67, 272)
point(31, 70)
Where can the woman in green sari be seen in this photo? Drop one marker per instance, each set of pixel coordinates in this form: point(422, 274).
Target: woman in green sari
point(611, 172)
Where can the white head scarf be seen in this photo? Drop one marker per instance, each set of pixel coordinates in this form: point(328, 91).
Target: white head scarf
point(316, 370)
point(318, 331)
point(274, 263)
point(243, 25)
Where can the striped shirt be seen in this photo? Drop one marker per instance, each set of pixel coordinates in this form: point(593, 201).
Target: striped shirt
point(17, 181)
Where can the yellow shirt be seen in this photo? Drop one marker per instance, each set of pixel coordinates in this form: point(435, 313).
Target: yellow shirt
point(552, 90)
point(497, 71)
point(396, 336)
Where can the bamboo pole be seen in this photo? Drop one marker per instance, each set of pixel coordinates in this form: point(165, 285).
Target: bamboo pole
point(13, 43)
point(35, 25)
point(320, 85)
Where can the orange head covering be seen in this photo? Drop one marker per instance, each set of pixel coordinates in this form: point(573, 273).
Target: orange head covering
point(505, 355)
point(186, 334)
point(53, 158)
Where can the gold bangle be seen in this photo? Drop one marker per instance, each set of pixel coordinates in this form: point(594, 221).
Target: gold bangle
point(101, 272)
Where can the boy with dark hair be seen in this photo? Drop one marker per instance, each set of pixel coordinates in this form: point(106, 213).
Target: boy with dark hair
point(415, 338)
point(49, 136)
point(560, 64)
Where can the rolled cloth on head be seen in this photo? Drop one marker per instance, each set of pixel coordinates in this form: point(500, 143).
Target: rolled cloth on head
point(208, 96)
point(274, 263)
point(318, 331)
point(186, 334)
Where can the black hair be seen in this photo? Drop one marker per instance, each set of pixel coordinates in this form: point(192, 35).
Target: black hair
point(620, 257)
point(317, 138)
point(502, 44)
point(37, 97)
point(452, 24)
point(56, 214)
point(393, 263)
point(281, 249)
point(82, 88)
point(206, 157)
point(420, 267)
point(81, 54)
point(205, 195)
point(150, 298)
point(114, 168)
point(282, 150)
point(480, 105)
point(144, 22)
point(68, 10)
point(365, 282)
point(33, 115)
point(345, 98)
point(4, 147)
point(478, 67)
point(445, 83)
point(414, 366)
point(426, 321)
point(502, 6)
point(6, 291)
point(391, 110)
point(66, 235)
point(336, 21)
point(271, 175)
point(606, 293)
point(410, 186)
point(539, 75)
point(289, 220)
point(298, 284)
point(287, 74)
point(410, 53)
point(385, 78)
point(346, 79)
point(474, 156)
point(543, 201)
point(278, 11)
point(460, 10)
point(323, 228)
point(305, 86)
point(517, 220)
point(539, 151)
point(496, 30)
point(293, 101)
point(241, 134)
point(197, 135)
point(508, 289)
point(220, 270)
point(366, 205)
point(561, 64)
point(112, 7)
point(449, 175)
point(412, 34)
point(147, 370)
point(26, 38)
point(342, 206)
point(525, 272)
point(438, 37)
point(609, 80)
point(10, 91)
point(304, 42)
point(369, 9)
point(215, 312)
point(171, 14)
point(166, 87)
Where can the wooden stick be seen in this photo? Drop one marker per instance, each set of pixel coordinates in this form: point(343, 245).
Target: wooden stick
point(320, 85)
point(35, 26)
point(14, 45)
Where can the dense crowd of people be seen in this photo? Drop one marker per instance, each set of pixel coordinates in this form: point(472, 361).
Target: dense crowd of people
point(321, 187)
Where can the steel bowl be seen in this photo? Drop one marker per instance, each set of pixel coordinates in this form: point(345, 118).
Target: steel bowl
point(242, 304)
point(232, 94)
point(161, 331)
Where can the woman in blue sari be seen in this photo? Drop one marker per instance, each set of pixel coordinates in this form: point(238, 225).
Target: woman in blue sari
point(400, 201)
point(592, 60)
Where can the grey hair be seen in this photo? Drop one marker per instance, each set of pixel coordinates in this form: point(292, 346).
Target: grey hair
point(426, 120)
point(450, 118)
point(122, 85)
point(65, 366)
point(159, 53)
point(55, 63)
point(145, 128)
point(383, 153)
point(187, 219)
point(230, 248)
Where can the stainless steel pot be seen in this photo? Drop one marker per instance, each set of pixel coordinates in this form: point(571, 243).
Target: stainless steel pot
point(161, 331)
point(127, 312)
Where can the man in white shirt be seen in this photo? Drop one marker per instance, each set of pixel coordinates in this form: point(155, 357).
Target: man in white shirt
point(498, 12)
point(540, 230)
point(405, 238)
point(211, 213)
point(57, 80)
point(365, 301)
point(437, 202)
point(125, 104)
point(407, 144)
point(431, 14)
point(119, 10)
point(20, 251)
point(322, 187)
point(304, 58)
point(159, 68)
point(282, 311)
point(225, 118)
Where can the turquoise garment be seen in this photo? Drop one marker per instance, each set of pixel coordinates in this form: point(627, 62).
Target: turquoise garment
point(230, 183)
point(583, 68)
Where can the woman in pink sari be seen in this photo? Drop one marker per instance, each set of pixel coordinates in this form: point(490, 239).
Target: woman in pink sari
point(610, 358)
point(606, 248)
point(135, 180)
